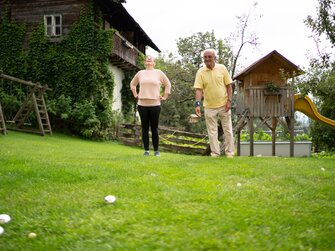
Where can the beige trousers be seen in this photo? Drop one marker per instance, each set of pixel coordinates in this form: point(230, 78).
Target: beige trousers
point(212, 115)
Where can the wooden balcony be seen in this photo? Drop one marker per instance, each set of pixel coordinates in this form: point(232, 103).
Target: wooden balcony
point(124, 55)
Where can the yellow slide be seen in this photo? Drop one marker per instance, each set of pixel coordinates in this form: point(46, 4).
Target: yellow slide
point(306, 106)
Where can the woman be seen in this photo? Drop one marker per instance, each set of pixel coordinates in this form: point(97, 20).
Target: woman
point(149, 100)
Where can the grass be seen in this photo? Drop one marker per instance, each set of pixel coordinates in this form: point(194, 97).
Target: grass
point(55, 186)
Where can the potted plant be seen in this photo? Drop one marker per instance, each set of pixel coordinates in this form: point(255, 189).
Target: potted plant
point(271, 88)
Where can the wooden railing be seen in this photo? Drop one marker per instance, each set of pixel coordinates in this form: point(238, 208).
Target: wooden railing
point(261, 103)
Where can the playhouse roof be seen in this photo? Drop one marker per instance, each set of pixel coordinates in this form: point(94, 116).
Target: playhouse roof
point(274, 58)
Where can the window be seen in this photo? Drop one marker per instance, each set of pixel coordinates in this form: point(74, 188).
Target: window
point(53, 25)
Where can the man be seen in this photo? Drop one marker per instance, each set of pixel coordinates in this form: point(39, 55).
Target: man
point(213, 83)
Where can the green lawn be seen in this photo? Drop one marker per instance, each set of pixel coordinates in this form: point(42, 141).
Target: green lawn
point(55, 186)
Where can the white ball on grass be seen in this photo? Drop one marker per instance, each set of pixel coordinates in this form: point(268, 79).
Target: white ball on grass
point(32, 235)
point(4, 218)
point(238, 184)
point(1, 230)
point(110, 199)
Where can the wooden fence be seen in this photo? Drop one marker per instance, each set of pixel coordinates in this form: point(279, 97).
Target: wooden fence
point(172, 140)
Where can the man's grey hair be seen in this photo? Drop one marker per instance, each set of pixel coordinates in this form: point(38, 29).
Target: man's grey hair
point(209, 50)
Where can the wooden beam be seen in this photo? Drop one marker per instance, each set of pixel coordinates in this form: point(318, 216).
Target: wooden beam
point(29, 83)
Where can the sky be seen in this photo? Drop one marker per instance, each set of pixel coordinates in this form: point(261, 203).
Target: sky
point(279, 25)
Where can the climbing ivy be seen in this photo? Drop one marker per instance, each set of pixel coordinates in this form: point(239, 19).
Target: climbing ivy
point(12, 57)
point(12, 61)
point(76, 69)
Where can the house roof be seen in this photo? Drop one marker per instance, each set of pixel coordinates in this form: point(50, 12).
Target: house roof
point(124, 21)
point(275, 58)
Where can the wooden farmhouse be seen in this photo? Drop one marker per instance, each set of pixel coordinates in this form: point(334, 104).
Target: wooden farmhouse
point(264, 94)
point(129, 41)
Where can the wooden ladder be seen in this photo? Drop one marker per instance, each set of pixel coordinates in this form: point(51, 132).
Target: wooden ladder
point(2, 123)
point(42, 112)
point(34, 102)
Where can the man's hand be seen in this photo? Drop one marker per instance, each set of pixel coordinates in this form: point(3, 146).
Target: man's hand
point(228, 105)
point(198, 111)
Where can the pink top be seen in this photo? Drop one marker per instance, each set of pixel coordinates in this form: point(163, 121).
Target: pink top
point(150, 86)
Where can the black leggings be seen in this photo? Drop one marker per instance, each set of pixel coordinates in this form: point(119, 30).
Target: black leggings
point(149, 117)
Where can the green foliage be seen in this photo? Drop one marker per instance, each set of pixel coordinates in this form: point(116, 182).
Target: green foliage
point(84, 114)
point(55, 186)
point(272, 87)
point(261, 135)
point(41, 59)
point(321, 76)
point(128, 101)
point(61, 106)
point(76, 69)
point(324, 155)
point(180, 104)
point(190, 49)
point(12, 57)
point(321, 85)
point(12, 61)
point(302, 137)
point(324, 23)
point(181, 71)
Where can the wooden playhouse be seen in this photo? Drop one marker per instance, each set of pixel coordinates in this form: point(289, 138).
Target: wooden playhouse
point(265, 96)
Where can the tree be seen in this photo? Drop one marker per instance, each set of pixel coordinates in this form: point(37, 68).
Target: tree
point(324, 23)
point(321, 75)
point(243, 37)
point(181, 71)
point(180, 103)
point(190, 49)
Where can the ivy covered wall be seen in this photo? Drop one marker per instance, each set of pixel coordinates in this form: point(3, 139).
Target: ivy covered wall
point(76, 69)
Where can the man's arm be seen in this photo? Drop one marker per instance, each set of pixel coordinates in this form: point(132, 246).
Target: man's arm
point(198, 98)
point(230, 96)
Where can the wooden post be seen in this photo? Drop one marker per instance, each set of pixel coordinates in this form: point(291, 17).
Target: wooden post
point(273, 134)
point(291, 128)
point(290, 125)
point(239, 143)
point(251, 131)
point(2, 122)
